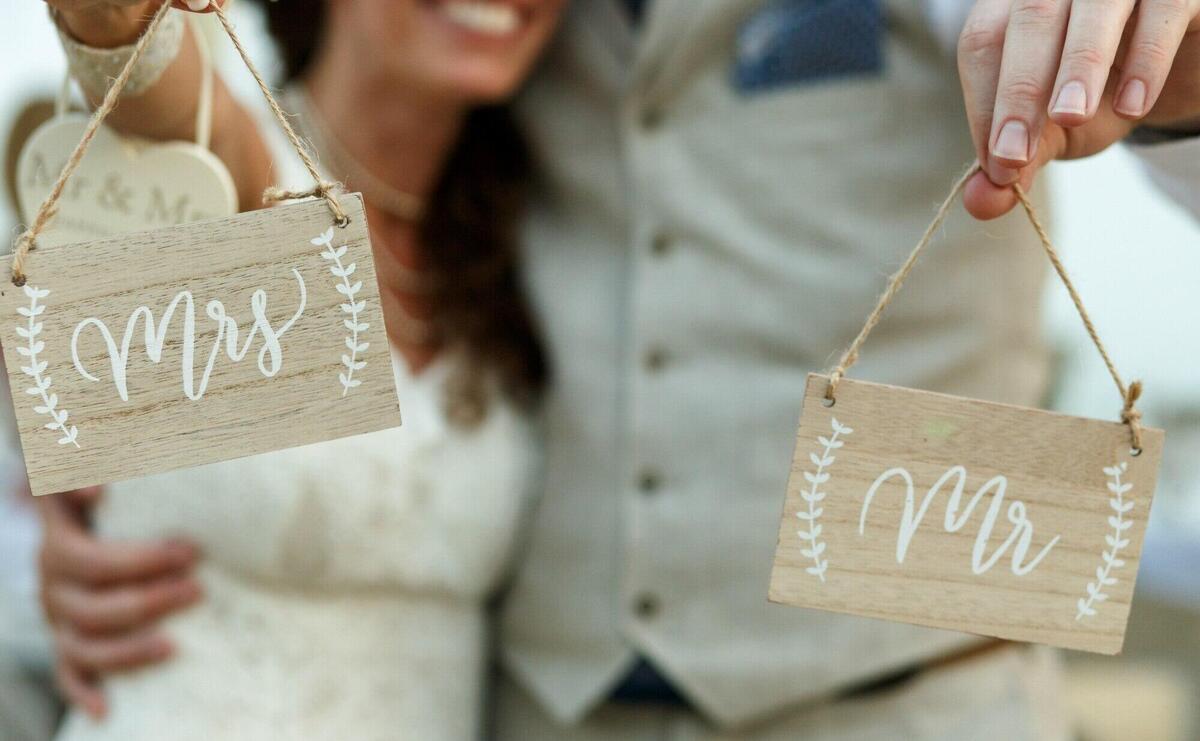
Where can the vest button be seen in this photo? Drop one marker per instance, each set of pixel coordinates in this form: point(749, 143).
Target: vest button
point(649, 481)
point(652, 117)
point(646, 606)
point(656, 359)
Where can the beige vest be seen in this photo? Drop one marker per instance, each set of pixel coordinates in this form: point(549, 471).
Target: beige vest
point(693, 253)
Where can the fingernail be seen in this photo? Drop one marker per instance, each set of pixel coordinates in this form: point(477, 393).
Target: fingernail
point(162, 649)
point(1132, 101)
point(1013, 142)
point(1000, 175)
point(197, 5)
point(181, 551)
point(1071, 99)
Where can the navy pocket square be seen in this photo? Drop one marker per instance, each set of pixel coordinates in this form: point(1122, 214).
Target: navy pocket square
point(804, 41)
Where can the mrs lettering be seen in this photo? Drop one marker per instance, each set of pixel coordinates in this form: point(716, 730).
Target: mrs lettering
point(270, 355)
point(1019, 538)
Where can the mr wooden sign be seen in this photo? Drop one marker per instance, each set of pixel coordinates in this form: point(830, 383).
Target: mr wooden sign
point(953, 513)
point(194, 344)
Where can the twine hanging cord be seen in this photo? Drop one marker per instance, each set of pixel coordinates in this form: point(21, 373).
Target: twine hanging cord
point(46, 211)
point(1129, 394)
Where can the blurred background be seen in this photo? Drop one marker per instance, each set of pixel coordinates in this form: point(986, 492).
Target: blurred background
point(1135, 258)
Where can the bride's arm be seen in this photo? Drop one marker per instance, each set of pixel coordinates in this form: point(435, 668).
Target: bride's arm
point(167, 108)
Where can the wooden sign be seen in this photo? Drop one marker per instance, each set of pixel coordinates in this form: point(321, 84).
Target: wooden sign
point(194, 344)
point(122, 184)
point(967, 515)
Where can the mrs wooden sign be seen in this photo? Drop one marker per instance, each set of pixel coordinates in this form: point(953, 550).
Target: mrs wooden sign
point(953, 513)
point(194, 344)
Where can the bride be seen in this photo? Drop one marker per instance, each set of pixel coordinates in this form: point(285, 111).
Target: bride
point(344, 583)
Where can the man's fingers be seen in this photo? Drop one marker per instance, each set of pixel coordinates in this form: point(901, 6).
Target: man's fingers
point(104, 654)
point(1093, 37)
point(79, 690)
point(119, 609)
point(1156, 38)
point(986, 200)
point(1032, 47)
point(980, 49)
point(72, 553)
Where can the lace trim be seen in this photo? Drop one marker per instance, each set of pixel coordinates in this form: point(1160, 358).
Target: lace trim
point(94, 69)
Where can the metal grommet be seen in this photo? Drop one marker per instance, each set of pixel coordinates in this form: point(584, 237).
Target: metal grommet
point(18, 280)
point(342, 223)
point(827, 402)
point(1135, 452)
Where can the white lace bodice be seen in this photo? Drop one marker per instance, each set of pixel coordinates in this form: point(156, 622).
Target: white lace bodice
point(344, 583)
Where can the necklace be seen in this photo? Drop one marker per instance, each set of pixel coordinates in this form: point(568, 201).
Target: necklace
point(406, 328)
point(385, 197)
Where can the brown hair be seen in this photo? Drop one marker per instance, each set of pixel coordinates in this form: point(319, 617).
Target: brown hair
point(470, 237)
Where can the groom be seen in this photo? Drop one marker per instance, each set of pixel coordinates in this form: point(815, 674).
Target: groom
point(722, 184)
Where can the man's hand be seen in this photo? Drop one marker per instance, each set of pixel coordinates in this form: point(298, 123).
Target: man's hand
point(102, 599)
point(1063, 79)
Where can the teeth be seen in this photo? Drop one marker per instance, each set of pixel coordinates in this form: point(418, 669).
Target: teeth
point(483, 17)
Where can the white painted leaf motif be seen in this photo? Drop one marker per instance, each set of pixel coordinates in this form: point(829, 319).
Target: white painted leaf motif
point(813, 495)
point(325, 238)
point(1114, 541)
point(41, 385)
point(351, 306)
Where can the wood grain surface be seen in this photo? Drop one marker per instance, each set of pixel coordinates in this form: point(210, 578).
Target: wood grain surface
point(1066, 499)
point(258, 403)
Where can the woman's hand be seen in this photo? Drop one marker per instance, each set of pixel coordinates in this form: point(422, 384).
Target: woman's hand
point(167, 110)
point(110, 23)
point(1063, 79)
point(102, 599)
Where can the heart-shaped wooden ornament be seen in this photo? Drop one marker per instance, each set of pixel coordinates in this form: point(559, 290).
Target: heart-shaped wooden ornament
point(122, 184)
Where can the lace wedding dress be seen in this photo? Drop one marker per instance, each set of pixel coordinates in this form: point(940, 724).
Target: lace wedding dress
point(344, 583)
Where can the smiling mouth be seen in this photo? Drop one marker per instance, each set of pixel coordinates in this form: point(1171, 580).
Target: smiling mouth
point(482, 17)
